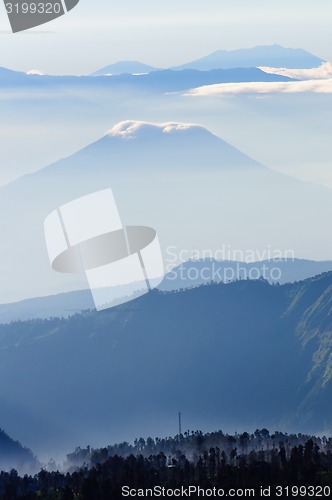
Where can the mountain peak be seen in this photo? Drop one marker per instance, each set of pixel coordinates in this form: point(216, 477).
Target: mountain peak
point(122, 67)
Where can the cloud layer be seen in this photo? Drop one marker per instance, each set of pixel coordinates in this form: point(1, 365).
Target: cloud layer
point(129, 129)
point(323, 86)
point(321, 72)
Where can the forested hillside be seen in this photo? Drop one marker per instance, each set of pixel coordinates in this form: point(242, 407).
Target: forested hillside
point(238, 355)
point(14, 455)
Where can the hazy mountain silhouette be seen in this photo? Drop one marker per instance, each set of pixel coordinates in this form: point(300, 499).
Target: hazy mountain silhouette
point(265, 55)
point(60, 305)
point(174, 81)
point(202, 271)
point(180, 179)
point(156, 81)
point(236, 356)
point(180, 278)
point(121, 67)
point(9, 77)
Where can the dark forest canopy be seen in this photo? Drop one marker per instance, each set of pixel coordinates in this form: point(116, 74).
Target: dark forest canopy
point(214, 460)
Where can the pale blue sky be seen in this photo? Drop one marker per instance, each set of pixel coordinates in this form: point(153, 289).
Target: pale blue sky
point(164, 33)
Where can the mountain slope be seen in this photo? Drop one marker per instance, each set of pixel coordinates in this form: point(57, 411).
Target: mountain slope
point(230, 356)
point(187, 275)
point(274, 56)
point(9, 77)
point(147, 153)
point(188, 184)
point(14, 455)
point(61, 305)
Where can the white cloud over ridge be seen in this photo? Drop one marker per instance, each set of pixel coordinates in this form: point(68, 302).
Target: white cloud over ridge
point(323, 86)
point(322, 72)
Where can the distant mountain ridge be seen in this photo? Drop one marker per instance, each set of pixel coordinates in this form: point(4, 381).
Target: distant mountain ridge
point(190, 274)
point(237, 356)
point(202, 271)
point(156, 81)
point(274, 56)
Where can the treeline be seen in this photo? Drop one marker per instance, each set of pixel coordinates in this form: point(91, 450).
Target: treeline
point(195, 443)
point(213, 460)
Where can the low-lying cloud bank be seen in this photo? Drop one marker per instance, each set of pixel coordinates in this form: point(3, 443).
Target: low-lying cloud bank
point(322, 72)
point(323, 86)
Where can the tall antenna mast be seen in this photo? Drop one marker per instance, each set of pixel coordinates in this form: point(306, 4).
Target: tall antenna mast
point(180, 426)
